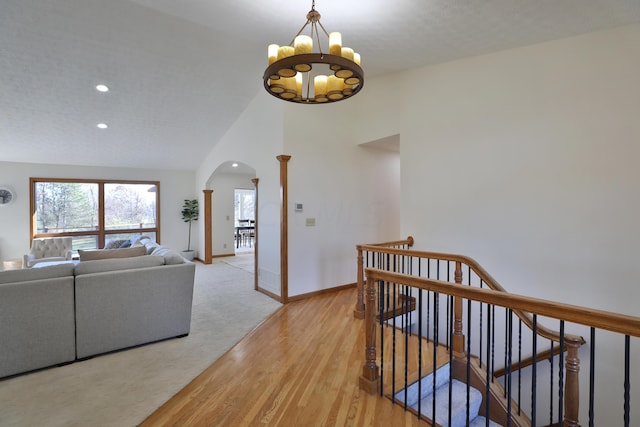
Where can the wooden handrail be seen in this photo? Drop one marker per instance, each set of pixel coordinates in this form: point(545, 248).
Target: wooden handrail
point(540, 356)
point(591, 317)
point(492, 283)
point(408, 241)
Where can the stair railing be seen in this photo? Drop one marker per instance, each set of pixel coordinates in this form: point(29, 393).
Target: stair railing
point(396, 257)
point(530, 308)
point(364, 252)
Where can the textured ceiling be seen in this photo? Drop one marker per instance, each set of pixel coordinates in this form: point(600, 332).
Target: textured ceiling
point(181, 72)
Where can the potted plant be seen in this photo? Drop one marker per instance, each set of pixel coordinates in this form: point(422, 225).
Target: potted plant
point(190, 213)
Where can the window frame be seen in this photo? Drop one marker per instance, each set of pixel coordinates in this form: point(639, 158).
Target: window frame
point(101, 233)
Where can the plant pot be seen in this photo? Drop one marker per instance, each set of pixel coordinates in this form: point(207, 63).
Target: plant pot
point(189, 255)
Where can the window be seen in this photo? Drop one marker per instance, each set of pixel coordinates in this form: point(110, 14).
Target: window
point(94, 212)
point(244, 205)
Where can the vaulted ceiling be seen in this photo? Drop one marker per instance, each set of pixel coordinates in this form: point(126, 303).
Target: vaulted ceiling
point(180, 72)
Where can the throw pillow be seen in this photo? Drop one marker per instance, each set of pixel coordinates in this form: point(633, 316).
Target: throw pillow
point(115, 244)
point(170, 256)
point(111, 253)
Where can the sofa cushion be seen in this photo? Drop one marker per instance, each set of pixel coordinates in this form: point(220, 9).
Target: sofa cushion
point(170, 256)
point(102, 265)
point(26, 274)
point(90, 255)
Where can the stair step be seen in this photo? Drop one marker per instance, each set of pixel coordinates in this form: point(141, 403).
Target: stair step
point(458, 404)
point(458, 400)
point(442, 377)
point(481, 421)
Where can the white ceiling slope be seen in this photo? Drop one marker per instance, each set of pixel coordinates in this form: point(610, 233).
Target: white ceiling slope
point(181, 72)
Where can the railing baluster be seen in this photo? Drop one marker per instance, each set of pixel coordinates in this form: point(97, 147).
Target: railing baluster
point(561, 375)
point(393, 340)
point(592, 375)
point(381, 298)
point(449, 305)
point(436, 315)
point(468, 359)
point(519, 365)
point(420, 292)
point(487, 405)
point(406, 344)
point(450, 347)
point(428, 297)
point(551, 386)
point(506, 344)
point(534, 369)
point(627, 384)
point(493, 342)
point(480, 335)
point(508, 379)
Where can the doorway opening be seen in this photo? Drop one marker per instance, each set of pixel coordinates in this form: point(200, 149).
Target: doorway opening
point(244, 220)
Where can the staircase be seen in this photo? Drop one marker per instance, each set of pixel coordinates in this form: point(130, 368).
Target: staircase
point(420, 398)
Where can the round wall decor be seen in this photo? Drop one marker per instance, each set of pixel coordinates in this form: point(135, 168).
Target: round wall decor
point(7, 196)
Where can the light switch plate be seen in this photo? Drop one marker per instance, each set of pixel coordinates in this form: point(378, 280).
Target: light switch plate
point(310, 222)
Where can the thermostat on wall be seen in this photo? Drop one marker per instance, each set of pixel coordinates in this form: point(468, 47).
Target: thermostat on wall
point(298, 207)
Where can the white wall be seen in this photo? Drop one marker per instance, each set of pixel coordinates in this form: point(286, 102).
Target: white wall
point(350, 191)
point(526, 160)
point(175, 186)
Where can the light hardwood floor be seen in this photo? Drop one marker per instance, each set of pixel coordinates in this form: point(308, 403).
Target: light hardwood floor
point(299, 368)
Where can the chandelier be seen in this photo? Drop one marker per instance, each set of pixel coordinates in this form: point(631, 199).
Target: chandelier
point(296, 74)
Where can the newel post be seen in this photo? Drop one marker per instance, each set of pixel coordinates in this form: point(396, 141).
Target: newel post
point(572, 384)
point(370, 378)
point(358, 312)
point(458, 336)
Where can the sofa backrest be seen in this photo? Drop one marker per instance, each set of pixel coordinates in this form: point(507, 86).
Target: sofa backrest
point(114, 264)
point(28, 274)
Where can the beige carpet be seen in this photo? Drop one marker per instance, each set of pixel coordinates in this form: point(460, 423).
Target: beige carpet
point(123, 388)
point(243, 260)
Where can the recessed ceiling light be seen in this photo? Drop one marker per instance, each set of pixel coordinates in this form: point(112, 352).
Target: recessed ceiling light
point(235, 165)
point(102, 125)
point(102, 88)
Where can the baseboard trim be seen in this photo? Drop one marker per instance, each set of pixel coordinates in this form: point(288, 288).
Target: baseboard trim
point(270, 294)
point(222, 255)
point(322, 292)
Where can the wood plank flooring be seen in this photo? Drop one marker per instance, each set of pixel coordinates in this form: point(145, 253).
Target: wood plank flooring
point(299, 368)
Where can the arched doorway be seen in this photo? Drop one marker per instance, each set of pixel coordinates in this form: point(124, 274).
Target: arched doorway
point(226, 235)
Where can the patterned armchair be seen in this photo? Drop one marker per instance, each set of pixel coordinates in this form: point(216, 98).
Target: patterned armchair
point(48, 249)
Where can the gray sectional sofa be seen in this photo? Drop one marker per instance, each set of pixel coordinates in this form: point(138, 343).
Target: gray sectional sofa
point(37, 325)
point(57, 314)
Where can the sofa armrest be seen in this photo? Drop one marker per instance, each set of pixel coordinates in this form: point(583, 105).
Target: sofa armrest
point(26, 259)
